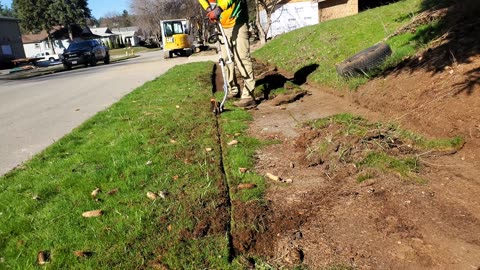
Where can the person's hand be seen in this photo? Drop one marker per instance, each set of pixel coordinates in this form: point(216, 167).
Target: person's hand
point(214, 15)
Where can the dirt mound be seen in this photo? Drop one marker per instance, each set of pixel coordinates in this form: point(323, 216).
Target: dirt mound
point(338, 212)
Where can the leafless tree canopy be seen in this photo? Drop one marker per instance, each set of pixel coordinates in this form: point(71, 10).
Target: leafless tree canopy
point(148, 13)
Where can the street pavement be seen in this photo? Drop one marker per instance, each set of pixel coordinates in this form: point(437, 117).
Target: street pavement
point(38, 111)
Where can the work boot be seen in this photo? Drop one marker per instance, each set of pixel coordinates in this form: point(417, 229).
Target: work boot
point(246, 103)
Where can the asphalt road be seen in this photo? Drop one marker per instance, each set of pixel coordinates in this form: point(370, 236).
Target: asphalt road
point(36, 112)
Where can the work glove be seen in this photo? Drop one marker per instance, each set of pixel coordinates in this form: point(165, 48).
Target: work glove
point(214, 14)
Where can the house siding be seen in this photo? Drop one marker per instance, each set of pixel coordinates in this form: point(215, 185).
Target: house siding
point(333, 9)
point(10, 38)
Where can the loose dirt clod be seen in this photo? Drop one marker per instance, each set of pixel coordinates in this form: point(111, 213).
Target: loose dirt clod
point(272, 177)
point(152, 195)
point(93, 213)
point(246, 186)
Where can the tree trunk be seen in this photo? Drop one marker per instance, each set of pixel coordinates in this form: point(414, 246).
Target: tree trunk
point(261, 32)
point(50, 41)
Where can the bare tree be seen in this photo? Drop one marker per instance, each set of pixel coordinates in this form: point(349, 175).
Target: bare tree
point(149, 13)
point(269, 6)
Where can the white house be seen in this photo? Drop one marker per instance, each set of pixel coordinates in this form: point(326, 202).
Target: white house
point(105, 34)
point(38, 43)
point(289, 15)
point(129, 35)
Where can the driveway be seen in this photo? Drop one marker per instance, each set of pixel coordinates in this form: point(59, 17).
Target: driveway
point(36, 112)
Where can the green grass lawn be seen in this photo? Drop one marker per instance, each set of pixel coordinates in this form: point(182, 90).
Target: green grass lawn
point(122, 51)
point(329, 43)
point(153, 140)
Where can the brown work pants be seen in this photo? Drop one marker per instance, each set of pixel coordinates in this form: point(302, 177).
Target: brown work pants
point(239, 44)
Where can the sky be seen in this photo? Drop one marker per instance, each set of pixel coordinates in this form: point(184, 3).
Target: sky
point(99, 7)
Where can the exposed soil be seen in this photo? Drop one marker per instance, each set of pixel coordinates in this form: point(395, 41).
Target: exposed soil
point(388, 221)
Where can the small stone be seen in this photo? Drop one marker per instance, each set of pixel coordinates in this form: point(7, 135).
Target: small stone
point(292, 165)
point(93, 213)
point(152, 195)
point(272, 177)
point(208, 149)
point(177, 106)
point(173, 141)
point(35, 197)
point(233, 142)
point(243, 170)
point(288, 181)
point(95, 192)
point(246, 186)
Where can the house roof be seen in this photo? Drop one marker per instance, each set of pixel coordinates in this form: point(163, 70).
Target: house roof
point(3, 18)
point(56, 32)
point(60, 32)
point(125, 29)
point(102, 31)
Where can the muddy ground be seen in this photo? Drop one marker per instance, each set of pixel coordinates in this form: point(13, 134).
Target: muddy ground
point(388, 221)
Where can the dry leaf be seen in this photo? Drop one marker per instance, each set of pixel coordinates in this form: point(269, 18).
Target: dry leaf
point(272, 177)
point(113, 191)
point(42, 257)
point(243, 170)
point(175, 177)
point(95, 192)
point(233, 142)
point(152, 195)
point(246, 186)
point(162, 194)
point(83, 254)
point(93, 213)
point(169, 227)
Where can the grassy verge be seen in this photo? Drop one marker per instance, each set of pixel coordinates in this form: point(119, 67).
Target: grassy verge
point(135, 50)
point(331, 42)
point(153, 140)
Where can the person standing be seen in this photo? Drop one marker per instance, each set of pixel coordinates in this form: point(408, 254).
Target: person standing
point(233, 15)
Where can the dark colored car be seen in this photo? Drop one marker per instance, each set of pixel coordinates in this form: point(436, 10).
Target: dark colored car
point(86, 52)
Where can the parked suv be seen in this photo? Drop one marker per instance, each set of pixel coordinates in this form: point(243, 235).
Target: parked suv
point(85, 52)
